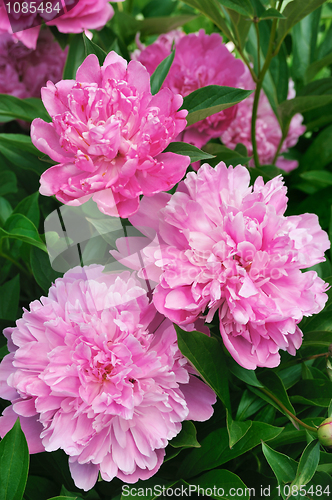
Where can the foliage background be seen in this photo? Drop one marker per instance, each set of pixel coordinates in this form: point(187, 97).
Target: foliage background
point(254, 439)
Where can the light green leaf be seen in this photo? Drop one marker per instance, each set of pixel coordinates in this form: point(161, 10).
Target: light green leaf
point(182, 148)
point(14, 464)
point(161, 72)
point(209, 100)
point(243, 7)
point(18, 227)
point(207, 356)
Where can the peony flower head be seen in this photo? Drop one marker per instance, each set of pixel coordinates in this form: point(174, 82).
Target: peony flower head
point(225, 246)
point(107, 135)
point(24, 71)
point(268, 132)
point(200, 60)
point(83, 15)
point(94, 371)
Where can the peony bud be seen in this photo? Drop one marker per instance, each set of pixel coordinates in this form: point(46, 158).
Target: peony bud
point(324, 433)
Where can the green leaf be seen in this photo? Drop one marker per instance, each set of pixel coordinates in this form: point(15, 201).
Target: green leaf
point(13, 108)
point(247, 376)
point(9, 298)
point(240, 26)
point(289, 108)
point(211, 9)
point(159, 25)
point(322, 178)
point(161, 72)
point(275, 386)
point(17, 226)
point(316, 66)
point(248, 405)
point(5, 210)
point(93, 48)
point(75, 57)
point(66, 498)
point(271, 14)
point(14, 464)
point(293, 13)
point(312, 393)
point(284, 467)
point(321, 322)
point(19, 141)
point(182, 148)
point(42, 270)
point(24, 159)
point(207, 356)
point(209, 100)
point(236, 429)
point(243, 7)
point(187, 437)
point(8, 183)
point(30, 208)
point(308, 464)
point(215, 449)
point(221, 482)
point(318, 154)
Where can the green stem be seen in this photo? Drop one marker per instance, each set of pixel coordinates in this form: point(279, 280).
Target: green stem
point(283, 407)
point(259, 86)
point(13, 261)
point(120, 6)
point(258, 47)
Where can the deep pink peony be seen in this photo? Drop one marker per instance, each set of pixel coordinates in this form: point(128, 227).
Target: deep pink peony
point(94, 371)
point(108, 134)
point(87, 14)
point(268, 132)
point(24, 71)
point(227, 247)
point(200, 60)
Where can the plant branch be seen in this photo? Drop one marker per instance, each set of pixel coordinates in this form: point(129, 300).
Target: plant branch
point(283, 407)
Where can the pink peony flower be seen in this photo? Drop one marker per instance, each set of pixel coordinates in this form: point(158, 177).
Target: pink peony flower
point(227, 247)
point(85, 15)
point(94, 371)
point(200, 60)
point(108, 134)
point(268, 132)
point(24, 71)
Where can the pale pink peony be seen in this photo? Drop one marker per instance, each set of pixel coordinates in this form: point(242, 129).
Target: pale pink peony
point(200, 60)
point(225, 246)
point(108, 134)
point(94, 370)
point(24, 71)
point(85, 15)
point(268, 132)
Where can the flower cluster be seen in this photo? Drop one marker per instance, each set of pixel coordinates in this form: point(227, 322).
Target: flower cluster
point(108, 133)
point(94, 371)
point(200, 60)
point(268, 132)
point(225, 246)
point(24, 71)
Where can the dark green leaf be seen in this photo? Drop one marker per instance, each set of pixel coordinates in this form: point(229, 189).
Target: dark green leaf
point(321, 178)
point(271, 14)
point(158, 25)
point(312, 392)
point(308, 464)
point(13, 108)
point(8, 183)
point(75, 57)
point(319, 153)
point(24, 159)
point(93, 48)
point(17, 226)
point(30, 208)
point(289, 108)
point(9, 298)
point(215, 449)
point(182, 148)
point(210, 100)
point(248, 406)
point(207, 356)
point(284, 467)
point(44, 486)
point(240, 26)
point(186, 438)
point(161, 72)
point(316, 66)
point(14, 464)
point(42, 270)
point(247, 376)
point(5, 210)
point(275, 386)
point(19, 141)
point(293, 13)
